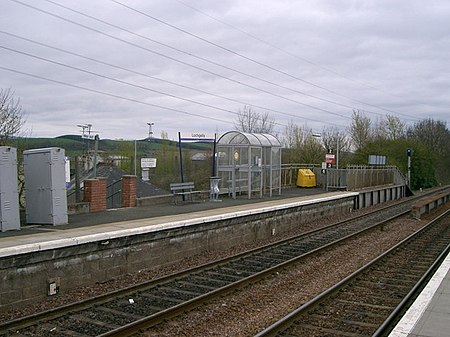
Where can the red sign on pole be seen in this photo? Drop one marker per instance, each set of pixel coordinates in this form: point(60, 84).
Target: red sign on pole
point(330, 158)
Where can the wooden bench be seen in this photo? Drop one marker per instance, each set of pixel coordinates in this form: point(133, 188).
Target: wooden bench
point(183, 190)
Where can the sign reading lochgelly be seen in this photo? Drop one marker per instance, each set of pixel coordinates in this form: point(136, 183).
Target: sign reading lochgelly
point(198, 137)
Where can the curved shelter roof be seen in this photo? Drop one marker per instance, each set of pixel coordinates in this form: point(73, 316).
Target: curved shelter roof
point(245, 138)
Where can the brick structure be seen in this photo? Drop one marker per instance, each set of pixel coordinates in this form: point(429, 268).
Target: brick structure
point(128, 191)
point(95, 194)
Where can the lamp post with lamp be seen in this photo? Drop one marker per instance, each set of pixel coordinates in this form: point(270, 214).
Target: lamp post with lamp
point(150, 135)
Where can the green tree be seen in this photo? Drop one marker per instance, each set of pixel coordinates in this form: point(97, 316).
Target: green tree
point(423, 173)
point(435, 136)
point(126, 154)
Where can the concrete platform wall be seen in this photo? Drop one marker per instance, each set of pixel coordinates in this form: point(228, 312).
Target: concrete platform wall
point(371, 197)
point(26, 278)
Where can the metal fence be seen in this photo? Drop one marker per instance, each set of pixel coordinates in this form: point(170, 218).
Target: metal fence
point(74, 196)
point(114, 194)
point(336, 179)
point(289, 173)
point(351, 178)
point(366, 176)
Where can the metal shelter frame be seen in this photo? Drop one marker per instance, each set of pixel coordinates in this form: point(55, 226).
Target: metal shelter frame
point(249, 163)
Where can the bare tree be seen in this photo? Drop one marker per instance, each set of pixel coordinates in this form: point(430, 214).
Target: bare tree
point(304, 147)
point(251, 121)
point(11, 116)
point(361, 129)
point(289, 135)
point(332, 138)
point(164, 135)
point(390, 128)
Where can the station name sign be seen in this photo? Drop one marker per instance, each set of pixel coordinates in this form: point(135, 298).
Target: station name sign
point(198, 137)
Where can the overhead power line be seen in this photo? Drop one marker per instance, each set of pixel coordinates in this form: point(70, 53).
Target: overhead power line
point(253, 60)
point(284, 51)
point(112, 95)
point(121, 81)
point(177, 60)
point(163, 80)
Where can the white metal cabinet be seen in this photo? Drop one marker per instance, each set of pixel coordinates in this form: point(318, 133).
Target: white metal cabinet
point(45, 186)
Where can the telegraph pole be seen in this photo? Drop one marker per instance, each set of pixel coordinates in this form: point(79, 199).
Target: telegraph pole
point(409, 154)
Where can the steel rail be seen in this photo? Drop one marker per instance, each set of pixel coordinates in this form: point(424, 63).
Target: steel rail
point(287, 321)
point(147, 322)
point(398, 312)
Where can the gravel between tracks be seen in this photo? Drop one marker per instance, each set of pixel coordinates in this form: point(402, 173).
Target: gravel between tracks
point(250, 310)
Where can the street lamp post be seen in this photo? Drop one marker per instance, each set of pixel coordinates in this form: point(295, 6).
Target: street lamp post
point(150, 136)
point(337, 153)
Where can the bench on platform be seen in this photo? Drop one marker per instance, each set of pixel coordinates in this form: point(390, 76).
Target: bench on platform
point(184, 190)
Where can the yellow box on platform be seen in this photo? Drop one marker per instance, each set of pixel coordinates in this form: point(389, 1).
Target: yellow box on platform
point(306, 178)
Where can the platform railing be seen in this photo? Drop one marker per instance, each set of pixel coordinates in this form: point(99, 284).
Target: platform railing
point(351, 178)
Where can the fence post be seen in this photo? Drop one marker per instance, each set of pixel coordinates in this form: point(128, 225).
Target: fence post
point(95, 194)
point(128, 191)
point(77, 181)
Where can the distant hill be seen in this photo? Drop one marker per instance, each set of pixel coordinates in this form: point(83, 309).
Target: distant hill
point(75, 145)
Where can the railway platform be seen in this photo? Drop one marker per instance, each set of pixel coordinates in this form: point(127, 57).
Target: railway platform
point(108, 224)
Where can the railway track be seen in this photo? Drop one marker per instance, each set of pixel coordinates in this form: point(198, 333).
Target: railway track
point(370, 301)
point(128, 311)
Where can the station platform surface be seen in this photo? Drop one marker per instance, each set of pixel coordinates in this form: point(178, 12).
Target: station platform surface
point(105, 225)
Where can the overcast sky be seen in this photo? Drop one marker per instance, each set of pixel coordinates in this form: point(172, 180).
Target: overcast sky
point(190, 66)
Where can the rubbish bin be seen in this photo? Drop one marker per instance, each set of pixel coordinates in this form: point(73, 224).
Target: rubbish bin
point(214, 189)
point(306, 178)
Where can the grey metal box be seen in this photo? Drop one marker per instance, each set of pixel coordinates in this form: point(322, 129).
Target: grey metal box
point(45, 186)
point(9, 196)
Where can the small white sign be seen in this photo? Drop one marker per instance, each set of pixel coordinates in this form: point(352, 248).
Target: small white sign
point(67, 170)
point(377, 160)
point(148, 162)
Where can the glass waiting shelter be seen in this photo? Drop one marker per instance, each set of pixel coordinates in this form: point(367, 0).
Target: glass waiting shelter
point(248, 163)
